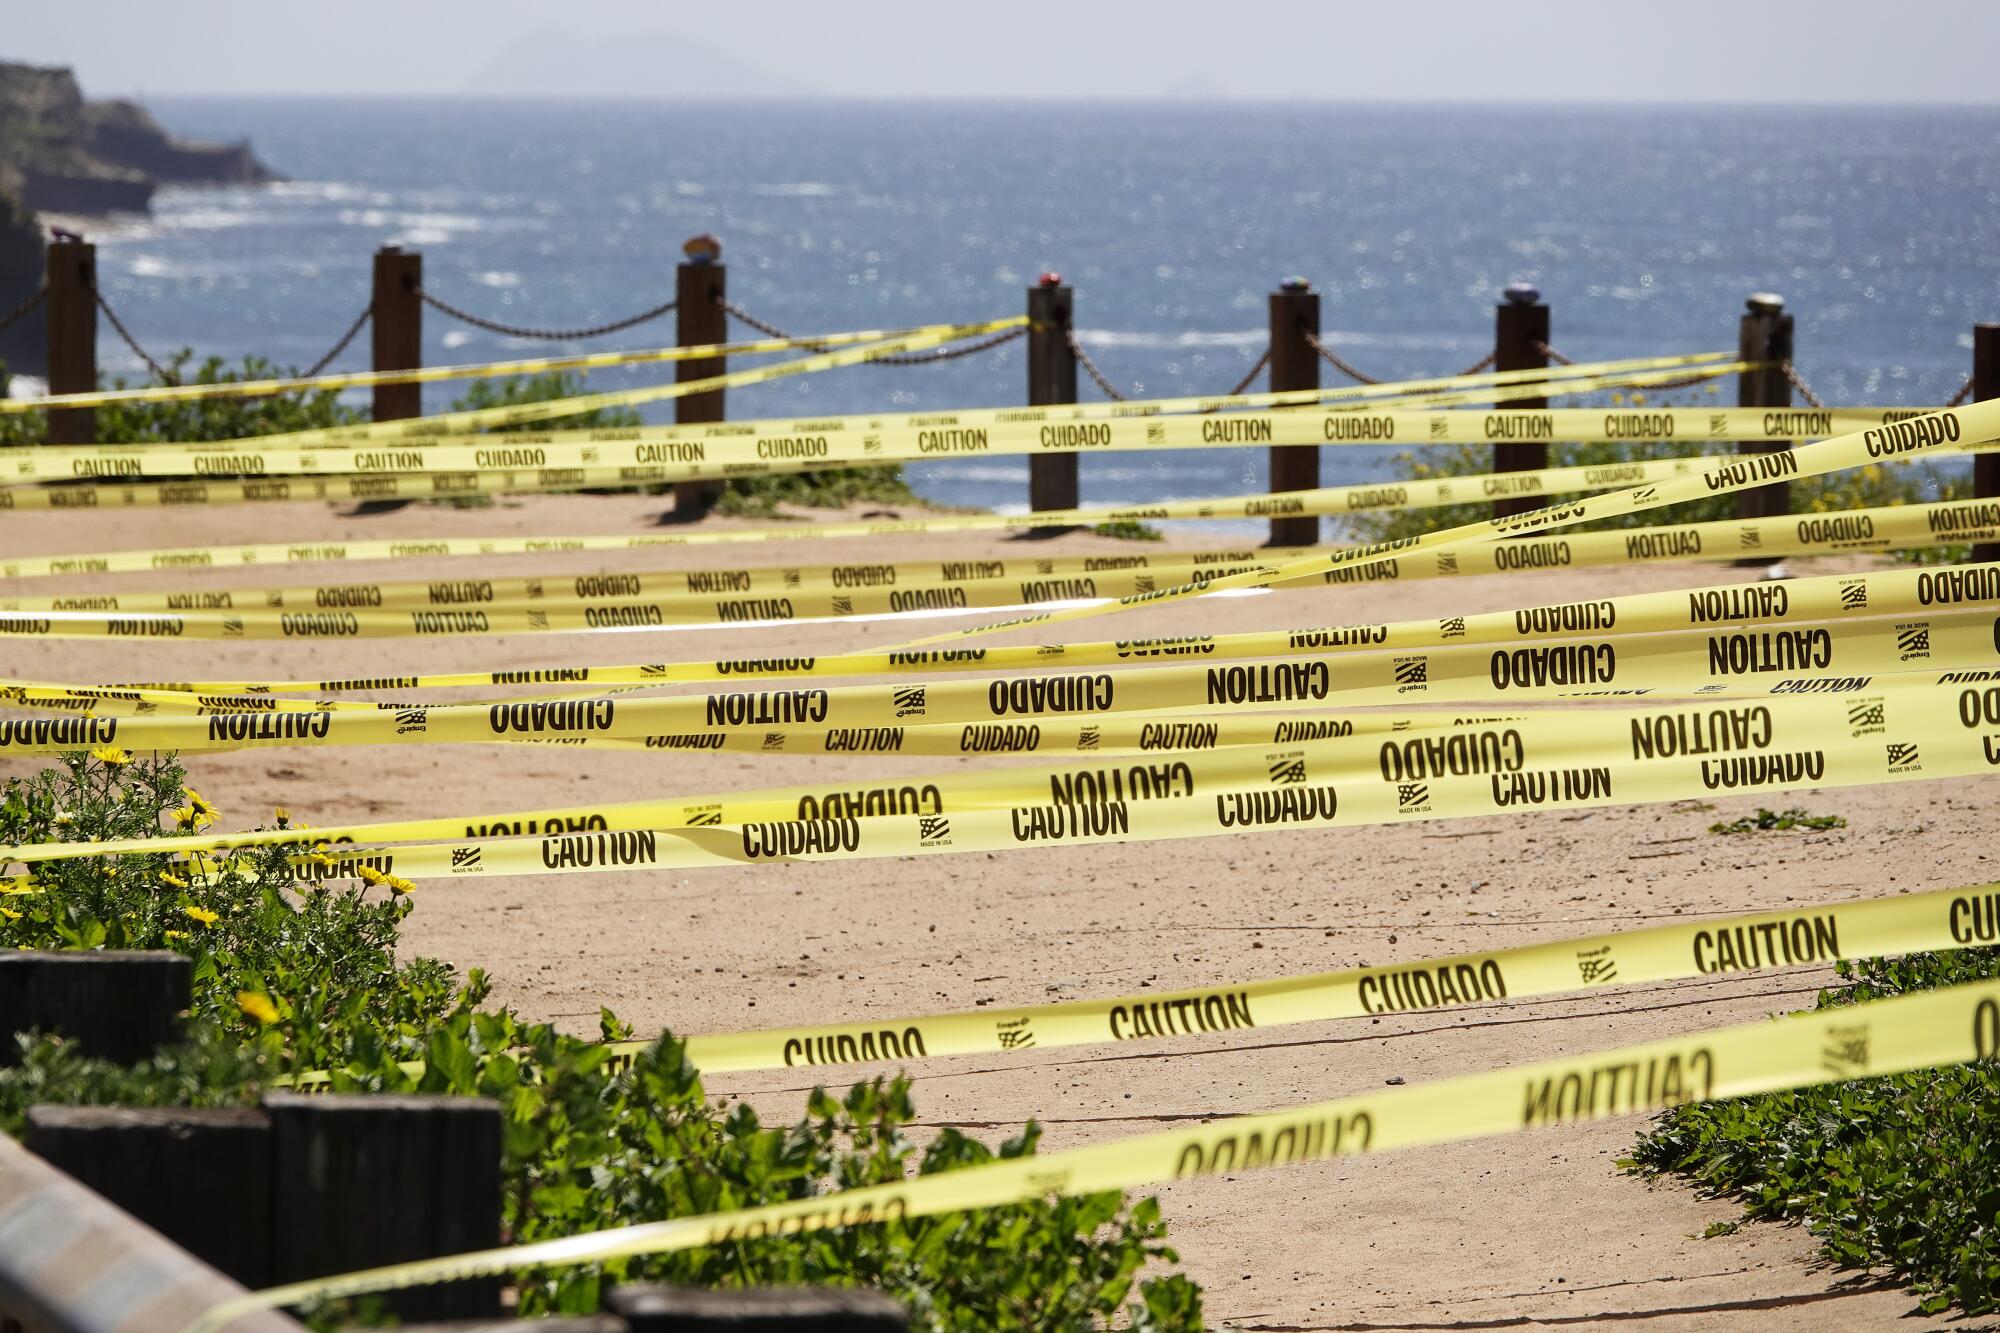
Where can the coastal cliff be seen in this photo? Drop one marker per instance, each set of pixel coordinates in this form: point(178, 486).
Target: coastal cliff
point(61, 153)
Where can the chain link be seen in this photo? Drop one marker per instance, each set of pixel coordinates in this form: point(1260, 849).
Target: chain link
point(771, 330)
point(1552, 354)
point(1251, 373)
point(341, 346)
point(1332, 359)
point(1479, 365)
point(164, 375)
point(1805, 390)
point(22, 311)
point(1964, 392)
point(1090, 368)
point(543, 335)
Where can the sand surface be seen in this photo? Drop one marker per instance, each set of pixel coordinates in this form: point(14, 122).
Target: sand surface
point(1529, 1231)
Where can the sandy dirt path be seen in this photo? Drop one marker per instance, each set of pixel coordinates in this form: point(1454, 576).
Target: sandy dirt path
point(1532, 1231)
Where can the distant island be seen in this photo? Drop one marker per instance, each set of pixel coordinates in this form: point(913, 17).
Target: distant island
point(60, 153)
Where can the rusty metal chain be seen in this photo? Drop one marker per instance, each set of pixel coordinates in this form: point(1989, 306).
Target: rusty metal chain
point(1553, 355)
point(165, 375)
point(341, 346)
point(1805, 390)
point(544, 335)
point(21, 311)
point(1479, 365)
point(1332, 358)
point(1090, 368)
point(949, 353)
point(1964, 392)
point(771, 330)
point(1251, 374)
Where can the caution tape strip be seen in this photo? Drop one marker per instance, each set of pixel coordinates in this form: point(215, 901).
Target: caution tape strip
point(666, 453)
point(1742, 944)
point(1419, 493)
point(1755, 735)
point(1920, 435)
point(1885, 730)
point(753, 598)
point(865, 587)
point(452, 423)
point(361, 379)
point(514, 414)
point(1687, 662)
point(1949, 1026)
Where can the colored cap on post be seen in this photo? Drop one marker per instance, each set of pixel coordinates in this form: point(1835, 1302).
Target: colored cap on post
point(702, 249)
point(1051, 278)
point(1522, 293)
point(1765, 303)
point(1294, 284)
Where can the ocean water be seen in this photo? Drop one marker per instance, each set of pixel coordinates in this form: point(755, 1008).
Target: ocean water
point(1644, 227)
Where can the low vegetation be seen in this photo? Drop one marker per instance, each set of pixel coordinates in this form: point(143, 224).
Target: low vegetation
point(1767, 821)
point(1897, 1173)
point(292, 974)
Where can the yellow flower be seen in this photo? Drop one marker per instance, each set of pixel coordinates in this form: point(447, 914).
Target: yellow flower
point(111, 754)
point(10, 914)
point(199, 802)
point(284, 816)
point(18, 886)
point(202, 914)
point(257, 1006)
point(400, 886)
point(175, 880)
point(370, 875)
point(174, 934)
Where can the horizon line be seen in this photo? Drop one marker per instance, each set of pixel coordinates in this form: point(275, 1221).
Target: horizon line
point(1108, 99)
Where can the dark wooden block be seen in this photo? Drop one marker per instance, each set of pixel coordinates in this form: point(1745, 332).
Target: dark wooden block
point(201, 1178)
point(115, 1005)
point(363, 1181)
point(758, 1310)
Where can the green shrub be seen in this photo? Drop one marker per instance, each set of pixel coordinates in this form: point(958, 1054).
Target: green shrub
point(290, 976)
point(206, 419)
point(1899, 1173)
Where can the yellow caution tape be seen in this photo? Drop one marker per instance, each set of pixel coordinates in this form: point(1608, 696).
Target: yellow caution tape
point(1752, 737)
point(885, 343)
point(361, 379)
point(1920, 435)
point(748, 598)
point(1321, 501)
point(1949, 1026)
point(1747, 943)
point(453, 422)
point(1886, 730)
point(1776, 661)
point(1889, 592)
point(744, 449)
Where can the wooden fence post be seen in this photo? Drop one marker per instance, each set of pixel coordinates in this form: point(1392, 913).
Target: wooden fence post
point(72, 330)
point(1764, 335)
point(1294, 365)
point(1052, 478)
point(361, 1181)
point(1520, 333)
point(700, 284)
point(758, 1310)
point(116, 1005)
point(1985, 386)
point(200, 1177)
point(396, 330)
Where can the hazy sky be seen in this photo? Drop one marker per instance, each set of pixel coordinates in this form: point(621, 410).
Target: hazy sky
point(1539, 50)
